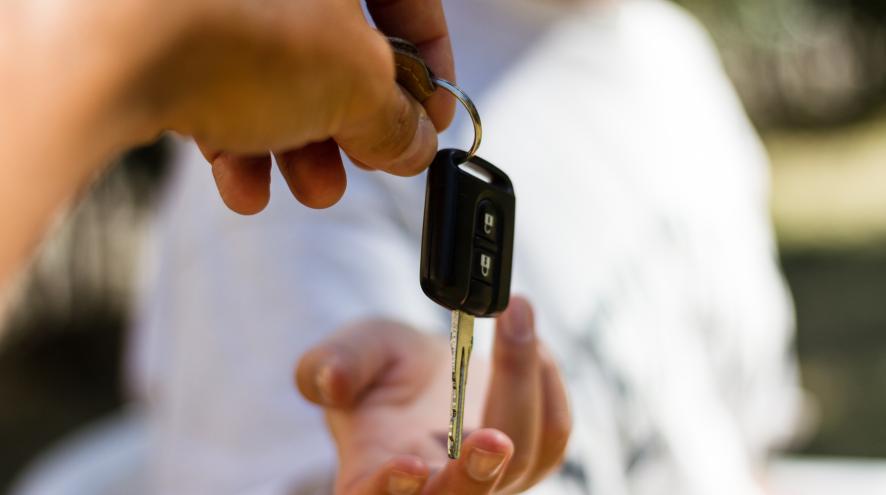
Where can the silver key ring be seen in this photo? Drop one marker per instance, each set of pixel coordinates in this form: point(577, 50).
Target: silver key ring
point(472, 111)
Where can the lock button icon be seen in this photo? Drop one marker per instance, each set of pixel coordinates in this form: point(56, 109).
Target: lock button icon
point(484, 266)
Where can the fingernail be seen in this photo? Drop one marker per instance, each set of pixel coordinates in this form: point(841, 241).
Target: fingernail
point(403, 484)
point(324, 383)
point(518, 326)
point(484, 465)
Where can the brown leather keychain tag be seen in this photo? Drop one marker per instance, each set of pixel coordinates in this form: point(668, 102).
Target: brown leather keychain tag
point(414, 75)
point(412, 72)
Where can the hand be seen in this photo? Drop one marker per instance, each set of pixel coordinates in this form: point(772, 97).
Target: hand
point(81, 81)
point(302, 78)
point(386, 392)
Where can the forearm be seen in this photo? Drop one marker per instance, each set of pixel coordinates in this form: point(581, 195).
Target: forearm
point(66, 112)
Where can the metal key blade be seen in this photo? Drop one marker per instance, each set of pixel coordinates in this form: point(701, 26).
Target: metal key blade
point(461, 340)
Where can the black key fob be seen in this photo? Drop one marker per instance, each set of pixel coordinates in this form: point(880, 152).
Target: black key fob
point(468, 234)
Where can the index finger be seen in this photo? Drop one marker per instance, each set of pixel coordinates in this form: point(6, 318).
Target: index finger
point(423, 23)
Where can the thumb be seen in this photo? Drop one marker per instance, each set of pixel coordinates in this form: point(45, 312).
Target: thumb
point(336, 372)
point(393, 133)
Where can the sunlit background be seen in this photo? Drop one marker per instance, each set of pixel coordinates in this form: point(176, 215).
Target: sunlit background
point(812, 74)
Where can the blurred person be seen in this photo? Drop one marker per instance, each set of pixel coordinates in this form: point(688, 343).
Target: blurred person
point(81, 82)
point(642, 238)
point(342, 79)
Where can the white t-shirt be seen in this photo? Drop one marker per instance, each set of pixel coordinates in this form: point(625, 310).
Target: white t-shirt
point(642, 238)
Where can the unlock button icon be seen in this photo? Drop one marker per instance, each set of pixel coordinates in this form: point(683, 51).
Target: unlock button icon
point(487, 221)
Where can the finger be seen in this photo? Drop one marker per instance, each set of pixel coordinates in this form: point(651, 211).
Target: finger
point(485, 454)
point(315, 173)
point(337, 371)
point(360, 164)
point(244, 182)
point(398, 137)
point(556, 420)
point(513, 403)
point(423, 23)
point(404, 475)
point(210, 154)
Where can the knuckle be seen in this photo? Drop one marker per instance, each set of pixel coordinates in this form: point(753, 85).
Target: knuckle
point(373, 77)
point(377, 63)
point(401, 127)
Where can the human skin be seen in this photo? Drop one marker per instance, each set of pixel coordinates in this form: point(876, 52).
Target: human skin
point(375, 377)
point(83, 81)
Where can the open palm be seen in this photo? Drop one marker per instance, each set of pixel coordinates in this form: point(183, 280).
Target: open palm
point(385, 388)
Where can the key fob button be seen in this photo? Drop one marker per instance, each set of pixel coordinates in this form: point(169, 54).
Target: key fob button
point(487, 221)
point(484, 266)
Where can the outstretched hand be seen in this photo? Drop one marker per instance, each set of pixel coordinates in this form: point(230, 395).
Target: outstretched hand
point(385, 390)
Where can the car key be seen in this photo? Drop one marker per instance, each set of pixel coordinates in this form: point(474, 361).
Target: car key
point(467, 245)
point(467, 236)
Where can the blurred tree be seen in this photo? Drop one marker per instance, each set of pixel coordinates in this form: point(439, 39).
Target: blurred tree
point(871, 9)
point(802, 63)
